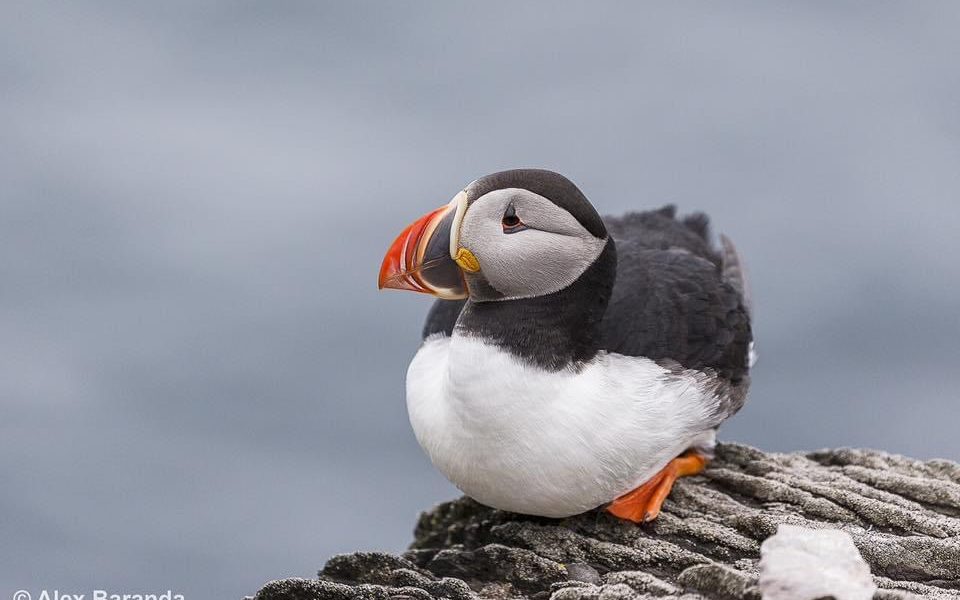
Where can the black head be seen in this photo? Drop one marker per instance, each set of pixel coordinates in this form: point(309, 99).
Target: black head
point(531, 232)
point(515, 234)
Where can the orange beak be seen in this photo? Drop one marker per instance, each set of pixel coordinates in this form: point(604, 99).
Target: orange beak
point(419, 259)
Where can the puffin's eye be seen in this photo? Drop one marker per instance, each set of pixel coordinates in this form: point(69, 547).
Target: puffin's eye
point(511, 222)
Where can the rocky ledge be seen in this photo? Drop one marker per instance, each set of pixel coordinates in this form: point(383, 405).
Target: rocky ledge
point(902, 515)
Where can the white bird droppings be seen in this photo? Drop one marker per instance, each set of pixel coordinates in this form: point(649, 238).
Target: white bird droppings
point(803, 564)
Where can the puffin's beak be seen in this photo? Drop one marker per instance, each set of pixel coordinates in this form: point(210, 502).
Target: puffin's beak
point(420, 260)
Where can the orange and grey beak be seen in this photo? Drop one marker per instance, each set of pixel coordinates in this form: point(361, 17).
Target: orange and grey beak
point(421, 259)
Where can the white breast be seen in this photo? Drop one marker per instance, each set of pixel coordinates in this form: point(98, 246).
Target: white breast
point(526, 440)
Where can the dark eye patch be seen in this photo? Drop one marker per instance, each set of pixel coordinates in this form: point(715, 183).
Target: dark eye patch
point(511, 222)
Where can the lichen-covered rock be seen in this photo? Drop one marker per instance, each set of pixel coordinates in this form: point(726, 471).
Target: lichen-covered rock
point(903, 516)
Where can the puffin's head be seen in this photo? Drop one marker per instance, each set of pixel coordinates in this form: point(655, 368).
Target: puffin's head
point(513, 234)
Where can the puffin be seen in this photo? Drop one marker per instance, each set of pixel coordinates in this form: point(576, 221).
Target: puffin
point(570, 361)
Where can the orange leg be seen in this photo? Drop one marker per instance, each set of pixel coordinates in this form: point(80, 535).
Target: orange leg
point(643, 504)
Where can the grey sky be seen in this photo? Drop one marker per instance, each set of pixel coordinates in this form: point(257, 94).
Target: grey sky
point(201, 388)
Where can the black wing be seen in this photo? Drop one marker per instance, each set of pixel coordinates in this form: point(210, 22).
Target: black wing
point(675, 297)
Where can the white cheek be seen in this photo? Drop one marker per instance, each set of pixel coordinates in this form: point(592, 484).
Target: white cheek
point(543, 259)
point(483, 239)
point(534, 263)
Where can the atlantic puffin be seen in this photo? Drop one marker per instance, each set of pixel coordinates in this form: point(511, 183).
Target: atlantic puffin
point(570, 362)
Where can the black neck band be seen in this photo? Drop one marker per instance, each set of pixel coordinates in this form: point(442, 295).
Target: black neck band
point(555, 331)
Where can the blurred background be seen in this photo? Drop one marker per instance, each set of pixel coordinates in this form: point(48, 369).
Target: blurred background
point(201, 388)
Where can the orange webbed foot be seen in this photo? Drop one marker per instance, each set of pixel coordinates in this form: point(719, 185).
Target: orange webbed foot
point(643, 504)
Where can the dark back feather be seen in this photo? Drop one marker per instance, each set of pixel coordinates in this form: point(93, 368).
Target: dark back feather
point(674, 298)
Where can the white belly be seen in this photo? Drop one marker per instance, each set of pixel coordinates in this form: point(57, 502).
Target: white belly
point(518, 438)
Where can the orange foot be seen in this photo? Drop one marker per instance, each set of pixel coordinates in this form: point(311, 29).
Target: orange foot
point(643, 504)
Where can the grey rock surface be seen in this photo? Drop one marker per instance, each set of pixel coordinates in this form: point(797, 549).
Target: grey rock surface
point(903, 516)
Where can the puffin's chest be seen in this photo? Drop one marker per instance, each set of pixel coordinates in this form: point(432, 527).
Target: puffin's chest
point(550, 443)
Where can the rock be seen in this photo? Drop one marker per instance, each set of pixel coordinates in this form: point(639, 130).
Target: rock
point(582, 572)
point(901, 515)
point(719, 581)
point(813, 563)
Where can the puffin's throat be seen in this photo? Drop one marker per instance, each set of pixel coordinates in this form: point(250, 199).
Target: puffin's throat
point(555, 331)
